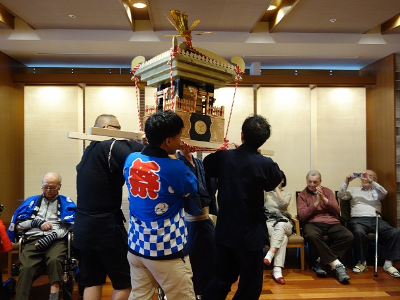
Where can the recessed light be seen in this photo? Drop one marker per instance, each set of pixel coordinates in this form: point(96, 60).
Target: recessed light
point(72, 16)
point(332, 20)
point(139, 5)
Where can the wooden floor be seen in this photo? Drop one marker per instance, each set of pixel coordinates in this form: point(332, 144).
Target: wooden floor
point(299, 285)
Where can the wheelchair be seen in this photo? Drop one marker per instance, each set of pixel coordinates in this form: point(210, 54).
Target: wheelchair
point(160, 293)
point(70, 268)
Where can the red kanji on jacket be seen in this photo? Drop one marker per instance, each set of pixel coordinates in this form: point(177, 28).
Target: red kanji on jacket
point(143, 179)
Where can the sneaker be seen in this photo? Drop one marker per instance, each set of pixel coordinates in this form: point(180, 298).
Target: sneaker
point(319, 270)
point(341, 274)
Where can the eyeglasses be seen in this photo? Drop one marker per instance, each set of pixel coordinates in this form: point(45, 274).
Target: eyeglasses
point(118, 127)
point(50, 188)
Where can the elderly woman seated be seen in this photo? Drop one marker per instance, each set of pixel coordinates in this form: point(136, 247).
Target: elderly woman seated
point(280, 226)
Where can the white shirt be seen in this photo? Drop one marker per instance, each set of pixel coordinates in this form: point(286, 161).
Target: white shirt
point(364, 203)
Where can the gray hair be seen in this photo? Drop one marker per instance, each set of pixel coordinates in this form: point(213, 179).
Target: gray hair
point(103, 120)
point(314, 173)
point(52, 174)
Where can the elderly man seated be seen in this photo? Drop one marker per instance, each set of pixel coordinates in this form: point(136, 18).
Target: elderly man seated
point(317, 206)
point(365, 202)
point(44, 220)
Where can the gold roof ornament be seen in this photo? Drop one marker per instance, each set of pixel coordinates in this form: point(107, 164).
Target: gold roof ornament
point(181, 25)
point(185, 61)
point(186, 78)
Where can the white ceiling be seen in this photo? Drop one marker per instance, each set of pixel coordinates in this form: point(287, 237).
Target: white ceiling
point(100, 35)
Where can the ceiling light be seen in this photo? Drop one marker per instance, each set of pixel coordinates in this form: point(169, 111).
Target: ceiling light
point(72, 16)
point(332, 20)
point(271, 7)
point(139, 4)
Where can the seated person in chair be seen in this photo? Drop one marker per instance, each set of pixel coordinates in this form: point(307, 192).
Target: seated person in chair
point(279, 228)
point(44, 221)
point(317, 206)
point(365, 202)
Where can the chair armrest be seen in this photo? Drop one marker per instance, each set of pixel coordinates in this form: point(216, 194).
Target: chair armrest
point(297, 225)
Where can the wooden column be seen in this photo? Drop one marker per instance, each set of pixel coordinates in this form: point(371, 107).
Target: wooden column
point(381, 131)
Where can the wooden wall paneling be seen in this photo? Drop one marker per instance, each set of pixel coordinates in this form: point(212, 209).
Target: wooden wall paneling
point(12, 138)
point(381, 135)
point(397, 95)
point(12, 142)
point(248, 80)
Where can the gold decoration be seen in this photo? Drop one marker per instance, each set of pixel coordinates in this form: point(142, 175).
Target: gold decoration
point(200, 127)
point(181, 25)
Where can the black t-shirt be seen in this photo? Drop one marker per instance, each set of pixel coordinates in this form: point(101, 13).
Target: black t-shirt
point(99, 175)
point(99, 189)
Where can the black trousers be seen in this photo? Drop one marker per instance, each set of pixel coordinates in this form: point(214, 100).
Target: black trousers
point(361, 226)
point(202, 253)
point(231, 264)
point(340, 239)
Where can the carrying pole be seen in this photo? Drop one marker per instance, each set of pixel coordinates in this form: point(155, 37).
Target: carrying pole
point(376, 244)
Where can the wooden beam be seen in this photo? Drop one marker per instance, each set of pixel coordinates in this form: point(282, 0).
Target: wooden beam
point(307, 80)
point(6, 19)
point(391, 24)
point(282, 10)
point(129, 135)
point(101, 134)
point(74, 79)
point(89, 137)
point(248, 80)
point(128, 13)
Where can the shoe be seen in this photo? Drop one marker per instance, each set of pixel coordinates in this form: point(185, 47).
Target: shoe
point(279, 280)
point(319, 270)
point(359, 268)
point(392, 271)
point(341, 273)
point(268, 258)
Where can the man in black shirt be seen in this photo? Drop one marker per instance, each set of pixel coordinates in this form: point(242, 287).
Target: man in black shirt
point(99, 231)
point(243, 175)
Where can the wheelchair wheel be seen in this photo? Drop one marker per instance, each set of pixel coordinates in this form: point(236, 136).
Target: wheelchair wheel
point(160, 294)
point(68, 287)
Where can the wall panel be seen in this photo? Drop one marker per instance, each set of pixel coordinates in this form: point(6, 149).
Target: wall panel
point(311, 128)
point(50, 112)
point(243, 106)
point(116, 100)
point(315, 129)
point(341, 136)
point(288, 112)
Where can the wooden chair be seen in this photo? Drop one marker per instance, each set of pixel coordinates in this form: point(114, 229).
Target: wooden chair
point(296, 241)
